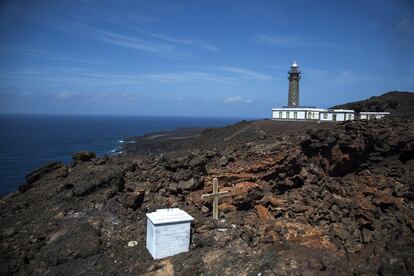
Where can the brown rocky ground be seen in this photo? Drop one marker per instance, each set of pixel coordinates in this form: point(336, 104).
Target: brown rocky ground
point(317, 199)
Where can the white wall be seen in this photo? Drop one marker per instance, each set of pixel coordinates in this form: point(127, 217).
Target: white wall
point(312, 115)
point(151, 237)
point(300, 115)
point(168, 239)
point(339, 116)
point(328, 116)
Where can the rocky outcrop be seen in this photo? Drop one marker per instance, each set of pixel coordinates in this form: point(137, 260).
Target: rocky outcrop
point(333, 200)
point(396, 102)
point(83, 156)
point(37, 174)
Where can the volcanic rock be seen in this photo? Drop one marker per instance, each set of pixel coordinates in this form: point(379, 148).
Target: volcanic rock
point(133, 200)
point(83, 156)
point(304, 199)
point(190, 184)
point(38, 174)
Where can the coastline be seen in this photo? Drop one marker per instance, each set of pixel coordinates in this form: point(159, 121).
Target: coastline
point(282, 181)
point(31, 141)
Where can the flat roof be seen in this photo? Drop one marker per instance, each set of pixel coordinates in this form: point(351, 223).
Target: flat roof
point(300, 106)
point(170, 215)
point(341, 110)
point(373, 113)
point(297, 109)
point(312, 109)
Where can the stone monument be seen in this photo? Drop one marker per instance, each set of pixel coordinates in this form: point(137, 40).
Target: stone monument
point(168, 232)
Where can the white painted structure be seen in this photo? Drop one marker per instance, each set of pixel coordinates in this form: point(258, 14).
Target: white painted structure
point(372, 115)
point(296, 113)
point(168, 232)
point(322, 115)
point(301, 113)
point(337, 115)
point(312, 114)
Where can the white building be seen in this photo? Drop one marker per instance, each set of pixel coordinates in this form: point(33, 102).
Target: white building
point(294, 112)
point(337, 115)
point(312, 114)
point(168, 232)
point(372, 115)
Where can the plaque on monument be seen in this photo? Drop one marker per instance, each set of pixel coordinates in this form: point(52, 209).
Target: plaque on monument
point(168, 232)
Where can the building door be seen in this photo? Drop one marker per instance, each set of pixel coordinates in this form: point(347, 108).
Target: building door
point(334, 117)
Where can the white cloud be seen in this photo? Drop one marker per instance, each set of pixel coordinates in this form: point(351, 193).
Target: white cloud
point(185, 77)
point(130, 20)
point(65, 95)
point(290, 40)
point(137, 39)
point(136, 43)
point(46, 54)
point(187, 42)
point(82, 76)
point(131, 41)
point(244, 73)
point(238, 99)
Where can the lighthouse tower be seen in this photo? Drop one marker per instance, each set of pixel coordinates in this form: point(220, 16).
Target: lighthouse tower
point(294, 77)
point(295, 112)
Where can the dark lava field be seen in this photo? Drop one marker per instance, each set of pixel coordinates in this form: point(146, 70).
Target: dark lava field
point(304, 199)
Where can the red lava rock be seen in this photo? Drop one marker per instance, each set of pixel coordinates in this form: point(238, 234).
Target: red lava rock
point(336, 200)
point(384, 199)
point(226, 207)
point(272, 200)
point(263, 212)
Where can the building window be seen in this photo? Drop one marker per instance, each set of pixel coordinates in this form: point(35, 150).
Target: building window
point(349, 116)
point(309, 115)
point(295, 115)
point(287, 115)
point(280, 114)
point(325, 115)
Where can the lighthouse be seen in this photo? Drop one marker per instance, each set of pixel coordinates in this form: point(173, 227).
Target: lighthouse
point(294, 112)
point(294, 77)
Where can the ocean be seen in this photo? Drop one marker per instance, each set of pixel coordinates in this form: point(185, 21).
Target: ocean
point(30, 141)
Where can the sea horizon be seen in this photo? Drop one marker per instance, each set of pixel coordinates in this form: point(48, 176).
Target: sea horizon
point(131, 115)
point(30, 141)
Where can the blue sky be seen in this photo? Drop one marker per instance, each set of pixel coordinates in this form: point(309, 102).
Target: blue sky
point(199, 58)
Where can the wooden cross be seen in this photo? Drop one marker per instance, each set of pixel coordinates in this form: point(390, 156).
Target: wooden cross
point(215, 195)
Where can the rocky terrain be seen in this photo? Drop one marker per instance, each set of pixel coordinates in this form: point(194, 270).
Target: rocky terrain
point(305, 199)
